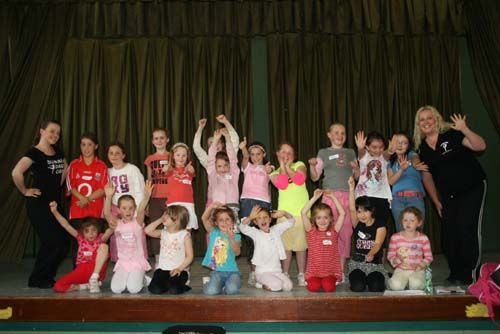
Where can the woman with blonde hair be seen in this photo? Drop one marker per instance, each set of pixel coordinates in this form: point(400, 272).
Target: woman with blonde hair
point(456, 183)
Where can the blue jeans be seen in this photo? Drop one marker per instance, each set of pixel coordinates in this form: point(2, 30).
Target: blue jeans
point(229, 281)
point(246, 205)
point(400, 203)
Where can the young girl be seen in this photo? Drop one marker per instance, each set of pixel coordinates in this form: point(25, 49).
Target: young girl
point(269, 249)
point(338, 164)
point(92, 256)
point(224, 245)
point(405, 178)
point(223, 173)
point(323, 261)
point(47, 166)
point(202, 155)
point(365, 267)
point(290, 180)
point(176, 250)
point(409, 252)
point(131, 264)
point(86, 179)
point(373, 181)
point(155, 164)
point(180, 174)
point(127, 179)
point(255, 189)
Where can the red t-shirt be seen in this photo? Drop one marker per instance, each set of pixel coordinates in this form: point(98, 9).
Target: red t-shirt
point(86, 179)
point(323, 254)
point(87, 250)
point(180, 187)
point(156, 162)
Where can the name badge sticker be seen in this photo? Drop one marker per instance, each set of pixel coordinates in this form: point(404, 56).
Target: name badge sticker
point(332, 157)
point(327, 242)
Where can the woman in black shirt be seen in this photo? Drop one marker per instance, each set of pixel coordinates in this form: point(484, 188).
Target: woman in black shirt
point(448, 149)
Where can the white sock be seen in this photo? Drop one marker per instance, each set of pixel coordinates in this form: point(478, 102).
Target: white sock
point(94, 276)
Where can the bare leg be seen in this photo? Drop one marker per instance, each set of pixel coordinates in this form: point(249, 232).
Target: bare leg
point(101, 258)
point(301, 261)
point(287, 262)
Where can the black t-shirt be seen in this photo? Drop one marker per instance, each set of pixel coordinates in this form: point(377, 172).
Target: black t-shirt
point(364, 237)
point(47, 171)
point(453, 166)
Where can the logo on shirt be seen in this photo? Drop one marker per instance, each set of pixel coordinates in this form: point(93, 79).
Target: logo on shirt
point(444, 146)
point(98, 176)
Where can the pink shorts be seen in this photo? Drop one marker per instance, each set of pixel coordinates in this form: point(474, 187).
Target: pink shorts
point(345, 232)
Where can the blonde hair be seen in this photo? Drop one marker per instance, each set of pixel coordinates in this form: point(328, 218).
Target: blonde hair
point(441, 125)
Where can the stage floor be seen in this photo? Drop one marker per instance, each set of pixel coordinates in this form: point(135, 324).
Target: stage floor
point(252, 305)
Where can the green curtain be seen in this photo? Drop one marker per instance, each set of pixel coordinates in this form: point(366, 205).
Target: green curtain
point(365, 81)
point(483, 42)
point(121, 67)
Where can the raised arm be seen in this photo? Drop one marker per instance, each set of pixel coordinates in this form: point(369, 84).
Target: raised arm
point(404, 164)
point(471, 140)
point(109, 191)
point(151, 228)
point(200, 153)
point(340, 209)
point(315, 168)
point(205, 218)
point(148, 190)
point(64, 223)
point(244, 153)
point(352, 203)
point(305, 210)
point(360, 140)
point(234, 139)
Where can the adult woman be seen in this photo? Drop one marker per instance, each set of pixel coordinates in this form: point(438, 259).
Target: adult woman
point(47, 165)
point(448, 150)
point(290, 180)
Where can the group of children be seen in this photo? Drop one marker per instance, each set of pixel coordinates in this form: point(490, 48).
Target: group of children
point(323, 228)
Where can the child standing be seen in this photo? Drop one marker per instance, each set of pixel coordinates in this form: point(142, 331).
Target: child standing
point(223, 247)
point(176, 250)
point(365, 267)
point(409, 252)
point(127, 179)
point(405, 178)
point(155, 164)
point(86, 179)
point(323, 261)
point(373, 181)
point(290, 180)
point(337, 163)
point(131, 264)
point(269, 249)
point(255, 191)
point(180, 174)
point(92, 255)
point(223, 173)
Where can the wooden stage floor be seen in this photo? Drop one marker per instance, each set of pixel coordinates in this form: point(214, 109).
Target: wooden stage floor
point(252, 305)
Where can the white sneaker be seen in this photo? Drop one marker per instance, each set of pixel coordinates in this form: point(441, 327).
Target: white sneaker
point(258, 285)
point(147, 280)
point(94, 286)
point(301, 281)
point(251, 279)
point(205, 279)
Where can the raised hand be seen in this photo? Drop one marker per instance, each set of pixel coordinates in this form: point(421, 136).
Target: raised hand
point(53, 206)
point(255, 212)
point(268, 168)
point(202, 123)
point(458, 122)
point(404, 164)
point(109, 189)
point(148, 188)
point(393, 144)
point(360, 140)
point(351, 183)
point(243, 143)
point(221, 119)
point(313, 162)
point(318, 193)
point(189, 168)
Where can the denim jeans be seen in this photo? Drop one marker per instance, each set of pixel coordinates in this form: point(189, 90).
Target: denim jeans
point(223, 281)
point(246, 205)
point(400, 203)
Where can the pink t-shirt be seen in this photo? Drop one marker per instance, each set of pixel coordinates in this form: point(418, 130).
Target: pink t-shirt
point(129, 244)
point(411, 252)
point(87, 249)
point(256, 184)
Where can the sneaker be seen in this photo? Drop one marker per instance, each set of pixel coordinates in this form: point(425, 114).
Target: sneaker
point(258, 285)
point(94, 286)
point(205, 279)
point(301, 281)
point(251, 279)
point(147, 280)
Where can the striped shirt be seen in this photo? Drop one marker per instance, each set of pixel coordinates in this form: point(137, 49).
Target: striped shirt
point(323, 254)
point(412, 252)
